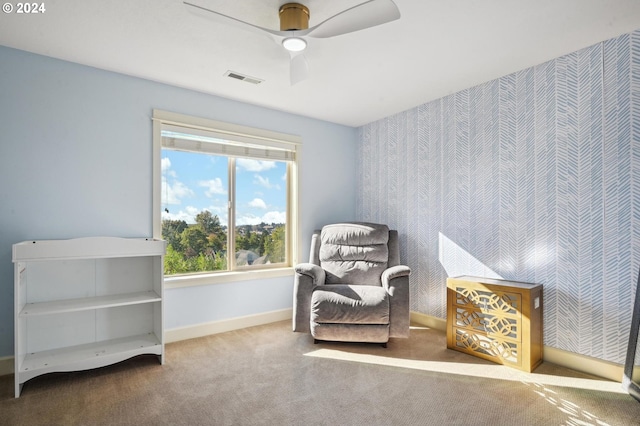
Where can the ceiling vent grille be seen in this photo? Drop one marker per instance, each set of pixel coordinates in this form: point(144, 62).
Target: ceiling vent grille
point(242, 77)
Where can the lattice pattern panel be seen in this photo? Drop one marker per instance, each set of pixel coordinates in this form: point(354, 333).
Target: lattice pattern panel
point(497, 326)
point(496, 303)
point(478, 344)
point(494, 313)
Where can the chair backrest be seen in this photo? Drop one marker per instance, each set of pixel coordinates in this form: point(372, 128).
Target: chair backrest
point(354, 253)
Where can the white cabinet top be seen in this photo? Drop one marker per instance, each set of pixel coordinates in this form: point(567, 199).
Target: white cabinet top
point(87, 248)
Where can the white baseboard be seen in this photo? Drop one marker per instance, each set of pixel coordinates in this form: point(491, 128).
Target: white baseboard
point(6, 365)
point(582, 363)
point(428, 321)
point(585, 364)
point(214, 327)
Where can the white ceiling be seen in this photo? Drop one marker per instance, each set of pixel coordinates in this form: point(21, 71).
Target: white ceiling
point(436, 48)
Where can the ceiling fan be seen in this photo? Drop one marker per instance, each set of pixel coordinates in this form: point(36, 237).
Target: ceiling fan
point(294, 27)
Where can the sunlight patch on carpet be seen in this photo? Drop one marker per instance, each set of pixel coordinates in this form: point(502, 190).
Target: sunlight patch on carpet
point(477, 370)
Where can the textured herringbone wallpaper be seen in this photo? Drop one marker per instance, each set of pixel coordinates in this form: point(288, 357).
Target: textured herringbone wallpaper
point(534, 177)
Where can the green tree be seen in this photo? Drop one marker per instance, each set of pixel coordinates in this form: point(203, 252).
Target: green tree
point(172, 232)
point(217, 242)
point(194, 241)
point(216, 235)
point(254, 243)
point(242, 242)
point(264, 238)
point(209, 223)
point(275, 245)
point(174, 262)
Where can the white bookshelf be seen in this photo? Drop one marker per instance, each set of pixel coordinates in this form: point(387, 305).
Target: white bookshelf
point(86, 303)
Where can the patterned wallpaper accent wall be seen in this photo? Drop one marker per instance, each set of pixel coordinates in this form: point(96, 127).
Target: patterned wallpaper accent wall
point(534, 177)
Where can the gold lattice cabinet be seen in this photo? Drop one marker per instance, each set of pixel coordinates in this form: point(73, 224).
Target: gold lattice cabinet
point(497, 320)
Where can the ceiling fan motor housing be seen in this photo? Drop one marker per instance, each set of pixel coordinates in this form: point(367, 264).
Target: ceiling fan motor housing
point(294, 17)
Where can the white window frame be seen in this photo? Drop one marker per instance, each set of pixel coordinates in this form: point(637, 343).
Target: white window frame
point(163, 120)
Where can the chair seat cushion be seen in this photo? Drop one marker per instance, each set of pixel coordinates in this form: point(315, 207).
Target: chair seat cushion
point(349, 304)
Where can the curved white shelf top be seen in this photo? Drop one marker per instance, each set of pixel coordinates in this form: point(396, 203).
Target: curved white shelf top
point(87, 248)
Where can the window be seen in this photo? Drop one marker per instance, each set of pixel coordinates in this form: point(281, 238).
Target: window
point(224, 198)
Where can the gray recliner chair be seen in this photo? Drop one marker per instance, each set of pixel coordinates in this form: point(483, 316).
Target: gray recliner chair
point(353, 289)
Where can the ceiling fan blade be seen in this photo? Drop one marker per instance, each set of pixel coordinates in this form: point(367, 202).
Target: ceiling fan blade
point(225, 19)
point(299, 68)
point(365, 15)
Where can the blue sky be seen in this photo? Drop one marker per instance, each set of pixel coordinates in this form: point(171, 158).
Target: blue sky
point(193, 182)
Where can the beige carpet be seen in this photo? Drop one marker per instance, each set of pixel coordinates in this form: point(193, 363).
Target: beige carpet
point(269, 375)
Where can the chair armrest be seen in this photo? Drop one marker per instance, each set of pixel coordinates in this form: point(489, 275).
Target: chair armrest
point(390, 274)
point(395, 281)
point(307, 277)
point(312, 271)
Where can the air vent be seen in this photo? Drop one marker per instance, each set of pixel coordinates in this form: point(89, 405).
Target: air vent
point(243, 77)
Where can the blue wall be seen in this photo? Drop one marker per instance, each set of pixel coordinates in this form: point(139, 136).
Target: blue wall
point(534, 177)
point(75, 161)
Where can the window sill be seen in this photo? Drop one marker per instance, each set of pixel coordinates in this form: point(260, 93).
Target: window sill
point(225, 277)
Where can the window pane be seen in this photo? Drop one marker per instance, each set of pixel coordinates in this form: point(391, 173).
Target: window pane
point(261, 212)
point(194, 200)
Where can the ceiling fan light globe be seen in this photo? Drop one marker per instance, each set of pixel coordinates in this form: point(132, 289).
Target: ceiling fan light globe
point(294, 44)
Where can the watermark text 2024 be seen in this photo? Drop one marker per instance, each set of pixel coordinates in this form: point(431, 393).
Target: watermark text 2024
point(24, 8)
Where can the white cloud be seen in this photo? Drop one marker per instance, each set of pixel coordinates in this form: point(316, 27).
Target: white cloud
point(188, 214)
point(258, 203)
point(165, 165)
point(255, 165)
point(214, 186)
point(218, 210)
point(275, 217)
point(262, 181)
point(173, 193)
point(269, 217)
